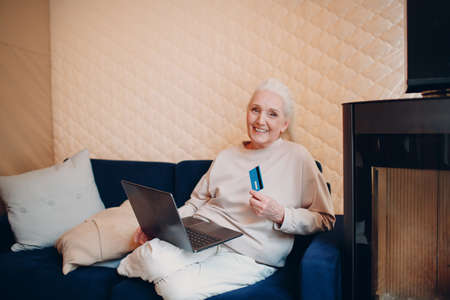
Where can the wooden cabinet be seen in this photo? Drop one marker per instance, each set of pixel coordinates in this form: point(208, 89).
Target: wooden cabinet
point(397, 199)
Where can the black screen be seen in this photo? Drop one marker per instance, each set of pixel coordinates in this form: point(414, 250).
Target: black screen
point(428, 45)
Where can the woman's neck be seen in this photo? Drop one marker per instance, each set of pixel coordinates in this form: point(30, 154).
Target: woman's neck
point(249, 145)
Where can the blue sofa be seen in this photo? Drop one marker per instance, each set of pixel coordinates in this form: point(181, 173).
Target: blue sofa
point(313, 269)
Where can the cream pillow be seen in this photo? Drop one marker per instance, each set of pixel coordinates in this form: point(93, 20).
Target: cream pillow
point(107, 235)
point(43, 204)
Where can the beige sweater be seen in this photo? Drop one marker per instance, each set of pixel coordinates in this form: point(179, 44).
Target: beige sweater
point(290, 176)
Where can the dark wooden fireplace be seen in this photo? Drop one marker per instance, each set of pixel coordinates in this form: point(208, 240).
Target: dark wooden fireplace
point(397, 199)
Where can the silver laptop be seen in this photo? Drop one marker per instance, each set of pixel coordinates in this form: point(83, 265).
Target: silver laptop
point(158, 217)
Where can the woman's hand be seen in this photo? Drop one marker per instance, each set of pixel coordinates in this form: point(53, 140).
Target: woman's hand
point(266, 207)
point(139, 236)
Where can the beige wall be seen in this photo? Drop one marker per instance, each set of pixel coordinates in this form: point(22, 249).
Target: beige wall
point(25, 106)
point(170, 79)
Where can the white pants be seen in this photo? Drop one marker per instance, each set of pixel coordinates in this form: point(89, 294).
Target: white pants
point(178, 274)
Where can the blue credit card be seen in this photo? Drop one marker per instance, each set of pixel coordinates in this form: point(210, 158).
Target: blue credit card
point(256, 179)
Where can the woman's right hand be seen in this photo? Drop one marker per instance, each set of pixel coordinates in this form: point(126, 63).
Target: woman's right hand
point(139, 236)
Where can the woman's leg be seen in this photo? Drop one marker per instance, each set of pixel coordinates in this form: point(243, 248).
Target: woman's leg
point(157, 259)
point(219, 273)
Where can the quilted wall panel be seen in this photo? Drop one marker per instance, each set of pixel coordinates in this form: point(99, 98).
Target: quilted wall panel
point(26, 139)
point(170, 80)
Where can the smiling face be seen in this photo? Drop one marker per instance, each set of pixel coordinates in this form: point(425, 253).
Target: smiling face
point(266, 119)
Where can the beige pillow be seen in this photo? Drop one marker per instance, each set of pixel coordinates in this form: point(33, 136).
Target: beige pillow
point(105, 236)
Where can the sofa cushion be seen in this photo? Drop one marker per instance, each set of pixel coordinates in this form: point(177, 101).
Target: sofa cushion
point(134, 288)
point(6, 234)
point(36, 274)
point(322, 260)
point(187, 175)
point(276, 286)
point(43, 204)
point(109, 173)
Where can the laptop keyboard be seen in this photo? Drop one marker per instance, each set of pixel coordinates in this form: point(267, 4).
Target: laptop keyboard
point(199, 239)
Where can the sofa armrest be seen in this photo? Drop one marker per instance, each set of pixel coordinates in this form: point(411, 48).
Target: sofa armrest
point(320, 273)
point(6, 234)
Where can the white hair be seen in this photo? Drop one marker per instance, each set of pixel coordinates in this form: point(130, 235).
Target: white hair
point(275, 86)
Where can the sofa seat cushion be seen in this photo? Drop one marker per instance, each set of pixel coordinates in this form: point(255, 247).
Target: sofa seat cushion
point(276, 286)
point(134, 288)
point(36, 274)
point(6, 234)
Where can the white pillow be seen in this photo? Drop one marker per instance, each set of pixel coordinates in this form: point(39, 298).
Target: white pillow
point(43, 204)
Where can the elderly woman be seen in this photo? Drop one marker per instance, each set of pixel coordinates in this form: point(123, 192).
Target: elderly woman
point(295, 200)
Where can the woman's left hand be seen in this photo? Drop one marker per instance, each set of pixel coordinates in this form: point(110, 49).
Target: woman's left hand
point(265, 206)
point(139, 236)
